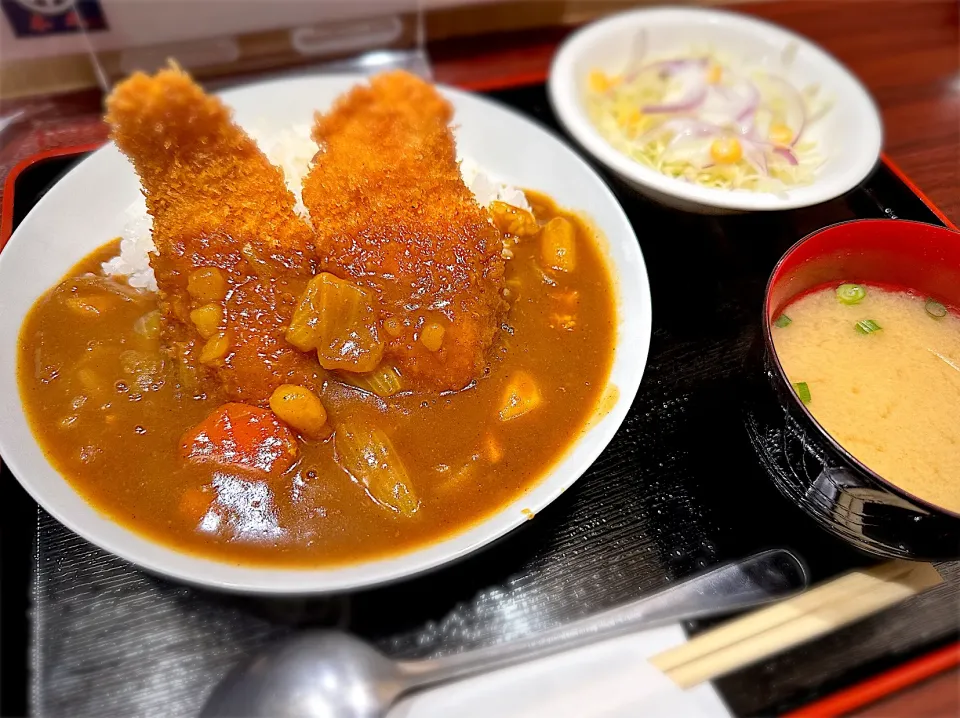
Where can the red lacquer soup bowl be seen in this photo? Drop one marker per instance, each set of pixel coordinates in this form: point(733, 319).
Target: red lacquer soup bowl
point(842, 494)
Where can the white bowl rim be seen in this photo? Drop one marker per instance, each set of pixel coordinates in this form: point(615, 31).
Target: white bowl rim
point(161, 559)
point(564, 98)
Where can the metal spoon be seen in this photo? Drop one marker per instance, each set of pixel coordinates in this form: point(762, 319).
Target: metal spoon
point(330, 674)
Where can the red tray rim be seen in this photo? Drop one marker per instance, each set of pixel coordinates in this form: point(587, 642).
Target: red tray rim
point(834, 705)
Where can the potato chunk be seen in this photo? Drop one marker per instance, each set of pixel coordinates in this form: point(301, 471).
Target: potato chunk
point(558, 245)
point(521, 396)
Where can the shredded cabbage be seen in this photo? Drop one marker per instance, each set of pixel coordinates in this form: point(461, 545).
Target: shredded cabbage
point(709, 101)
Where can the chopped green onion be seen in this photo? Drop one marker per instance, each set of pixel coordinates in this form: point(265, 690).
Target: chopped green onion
point(803, 391)
point(935, 309)
point(851, 293)
point(782, 321)
point(865, 326)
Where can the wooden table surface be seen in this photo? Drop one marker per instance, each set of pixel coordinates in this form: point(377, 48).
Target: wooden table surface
point(906, 53)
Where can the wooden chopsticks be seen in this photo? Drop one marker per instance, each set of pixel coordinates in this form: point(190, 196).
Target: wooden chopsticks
point(765, 632)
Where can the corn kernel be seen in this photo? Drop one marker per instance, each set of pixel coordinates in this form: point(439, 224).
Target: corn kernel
point(630, 119)
point(207, 284)
point(600, 82)
point(300, 408)
point(431, 336)
point(714, 73)
point(726, 150)
point(207, 319)
point(216, 348)
point(558, 248)
point(780, 134)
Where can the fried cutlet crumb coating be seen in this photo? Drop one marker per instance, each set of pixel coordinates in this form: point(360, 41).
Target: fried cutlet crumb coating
point(391, 212)
point(216, 201)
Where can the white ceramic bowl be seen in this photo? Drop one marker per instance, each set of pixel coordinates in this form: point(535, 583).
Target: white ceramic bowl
point(850, 135)
point(86, 208)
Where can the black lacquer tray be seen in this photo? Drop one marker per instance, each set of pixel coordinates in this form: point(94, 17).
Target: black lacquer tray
point(679, 488)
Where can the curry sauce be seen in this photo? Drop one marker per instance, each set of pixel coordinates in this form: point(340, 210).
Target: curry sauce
point(108, 406)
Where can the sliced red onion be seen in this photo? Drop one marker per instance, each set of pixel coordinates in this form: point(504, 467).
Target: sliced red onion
point(669, 67)
point(693, 150)
point(681, 64)
point(796, 107)
point(750, 104)
point(789, 53)
point(754, 154)
point(809, 93)
point(683, 127)
point(638, 49)
point(786, 154)
point(742, 100)
point(680, 138)
point(760, 162)
point(693, 94)
point(691, 100)
point(744, 94)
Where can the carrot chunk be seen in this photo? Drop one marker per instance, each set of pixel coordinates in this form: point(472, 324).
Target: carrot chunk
point(241, 437)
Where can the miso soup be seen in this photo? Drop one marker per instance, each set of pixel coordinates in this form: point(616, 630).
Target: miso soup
point(879, 369)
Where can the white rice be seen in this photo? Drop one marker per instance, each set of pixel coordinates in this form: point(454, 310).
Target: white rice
point(136, 244)
point(291, 150)
point(486, 189)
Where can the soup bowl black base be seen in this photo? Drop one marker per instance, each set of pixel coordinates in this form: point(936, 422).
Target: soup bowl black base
point(812, 473)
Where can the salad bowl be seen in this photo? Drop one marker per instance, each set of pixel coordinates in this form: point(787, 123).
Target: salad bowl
point(847, 132)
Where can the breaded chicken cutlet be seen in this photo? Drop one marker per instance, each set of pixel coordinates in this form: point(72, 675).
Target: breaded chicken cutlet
point(391, 212)
point(220, 207)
